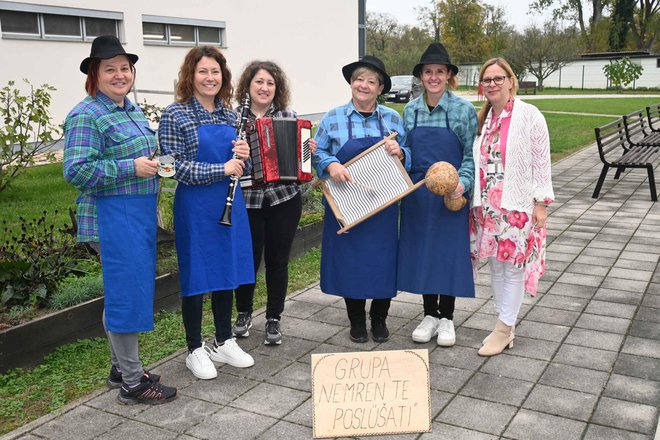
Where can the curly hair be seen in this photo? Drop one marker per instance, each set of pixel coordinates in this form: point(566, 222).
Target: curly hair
point(481, 116)
point(185, 88)
point(282, 93)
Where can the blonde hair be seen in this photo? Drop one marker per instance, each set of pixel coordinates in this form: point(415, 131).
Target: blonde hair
point(362, 70)
point(481, 116)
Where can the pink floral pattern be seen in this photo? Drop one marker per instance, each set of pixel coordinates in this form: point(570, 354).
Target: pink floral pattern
point(495, 232)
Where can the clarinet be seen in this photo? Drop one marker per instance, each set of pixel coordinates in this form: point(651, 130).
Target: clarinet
point(233, 184)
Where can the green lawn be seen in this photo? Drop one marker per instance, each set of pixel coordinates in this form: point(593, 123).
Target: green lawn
point(605, 106)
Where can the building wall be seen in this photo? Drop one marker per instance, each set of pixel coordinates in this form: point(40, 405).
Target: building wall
point(310, 39)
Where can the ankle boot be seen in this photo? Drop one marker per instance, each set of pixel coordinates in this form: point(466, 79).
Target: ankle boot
point(379, 331)
point(501, 338)
point(359, 332)
point(513, 330)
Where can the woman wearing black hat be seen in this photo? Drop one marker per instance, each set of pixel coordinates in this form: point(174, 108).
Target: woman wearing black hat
point(108, 156)
point(360, 265)
point(434, 251)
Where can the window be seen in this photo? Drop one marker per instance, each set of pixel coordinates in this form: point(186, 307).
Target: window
point(28, 21)
point(182, 31)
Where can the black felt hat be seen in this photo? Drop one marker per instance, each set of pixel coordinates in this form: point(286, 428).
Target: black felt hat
point(372, 63)
point(434, 54)
point(104, 48)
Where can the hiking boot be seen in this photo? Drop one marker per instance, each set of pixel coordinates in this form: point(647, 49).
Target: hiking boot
point(273, 334)
point(147, 392)
point(115, 378)
point(359, 333)
point(379, 331)
point(242, 326)
point(230, 353)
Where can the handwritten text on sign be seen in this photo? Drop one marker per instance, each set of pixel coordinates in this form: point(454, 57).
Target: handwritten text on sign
point(370, 393)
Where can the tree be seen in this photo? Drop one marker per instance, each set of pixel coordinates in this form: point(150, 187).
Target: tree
point(27, 129)
point(430, 18)
point(462, 29)
point(645, 27)
point(496, 29)
point(623, 72)
point(543, 51)
point(381, 30)
point(622, 17)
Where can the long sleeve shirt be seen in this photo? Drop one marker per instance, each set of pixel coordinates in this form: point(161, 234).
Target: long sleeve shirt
point(462, 121)
point(102, 141)
point(333, 132)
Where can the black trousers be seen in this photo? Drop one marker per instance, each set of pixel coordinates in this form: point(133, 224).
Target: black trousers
point(273, 229)
point(355, 308)
point(222, 302)
point(440, 306)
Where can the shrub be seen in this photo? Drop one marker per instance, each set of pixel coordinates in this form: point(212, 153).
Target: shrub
point(74, 290)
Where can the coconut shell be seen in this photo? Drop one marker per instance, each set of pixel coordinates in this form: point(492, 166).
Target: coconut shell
point(455, 204)
point(441, 178)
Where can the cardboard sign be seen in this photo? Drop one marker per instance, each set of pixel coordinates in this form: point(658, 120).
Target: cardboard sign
point(370, 393)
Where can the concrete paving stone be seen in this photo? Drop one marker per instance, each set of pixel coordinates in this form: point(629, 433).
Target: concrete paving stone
point(408, 298)
point(343, 339)
point(326, 348)
point(497, 389)
point(449, 379)
point(541, 330)
point(559, 266)
point(534, 348)
point(179, 415)
point(270, 400)
point(623, 284)
point(563, 302)
point(609, 252)
point(405, 310)
point(630, 274)
point(561, 402)
point(287, 430)
point(81, 423)
point(636, 265)
point(232, 420)
point(611, 309)
point(587, 269)
point(470, 337)
point(597, 432)
point(456, 356)
point(654, 288)
point(637, 366)
point(538, 426)
point(108, 402)
point(32, 437)
point(137, 431)
point(603, 323)
point(596, 261)
point(578, 227)
point(480, 415)
point(443, 431)
point(633, 389)
point(614, 237)
point(439, 400)
point(560, 256)
point(567, 287)
point(460, 316)
point(616, 229)
point(572, 233)
point(652, 301)
point(574, 378)
point(551, 275)
point(515, 367)
point(221, 390)
point(301, 309)
point(648, 314)
point(296, 375)
point(313, 331)
point(656, 276)
point(601, 244)
point(292, 348)
point(317, 297)
point(565, 240)
point(585, 357)
point(626, 415)
point(618, 296)
point(566, 249)
point(643, 329)
point(552, 316)
point(594, 339)
point(639, 256)
point(641, 347)
point(302, 415)
point(175, 374)
point(332, 315)
point(469, 304)
point(264, 367)
point(480, 321)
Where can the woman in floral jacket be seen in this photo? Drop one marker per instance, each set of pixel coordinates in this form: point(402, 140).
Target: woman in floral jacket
point(511, 194)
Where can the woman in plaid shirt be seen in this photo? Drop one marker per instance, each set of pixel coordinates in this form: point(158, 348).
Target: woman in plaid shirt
point(274, 209)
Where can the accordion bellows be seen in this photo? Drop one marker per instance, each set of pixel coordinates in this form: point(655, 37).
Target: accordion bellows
point(279, 148)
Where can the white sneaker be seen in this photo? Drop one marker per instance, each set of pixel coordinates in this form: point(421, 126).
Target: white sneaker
point(199, 363)
point(426, 329)
point(230, 353)
point(446, 333)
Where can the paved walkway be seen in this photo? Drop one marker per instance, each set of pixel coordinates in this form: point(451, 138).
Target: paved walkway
point(586, 360)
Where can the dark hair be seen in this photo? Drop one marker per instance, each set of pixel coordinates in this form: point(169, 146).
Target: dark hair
point(282, 94)
point(185, 88)
point(92, 82)
point(481, 116)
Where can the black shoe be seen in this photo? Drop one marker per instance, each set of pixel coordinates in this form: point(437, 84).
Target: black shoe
point(115, 379)
point(359, 333)
point(273, 334)
point(379, 331)
point(147, 392)
point(242, 326)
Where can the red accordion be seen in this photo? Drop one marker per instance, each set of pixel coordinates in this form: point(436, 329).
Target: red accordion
point(280, 151)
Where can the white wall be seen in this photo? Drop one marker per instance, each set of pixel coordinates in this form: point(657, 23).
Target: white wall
point(310, 39)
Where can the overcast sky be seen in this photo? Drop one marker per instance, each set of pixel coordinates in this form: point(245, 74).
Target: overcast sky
point(404, 10)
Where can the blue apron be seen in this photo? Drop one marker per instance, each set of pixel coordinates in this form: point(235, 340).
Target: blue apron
point(434, 247)
point(127, 234)
point(361, 263)
point(211, 256)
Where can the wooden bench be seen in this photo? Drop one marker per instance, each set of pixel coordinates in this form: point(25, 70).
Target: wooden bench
point(653, 117)
point(638, 132)
point(616, 151)
point(527, 85)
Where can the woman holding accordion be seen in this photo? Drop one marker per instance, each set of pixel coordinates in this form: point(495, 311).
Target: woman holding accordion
point(274, 209)
point(199, 130)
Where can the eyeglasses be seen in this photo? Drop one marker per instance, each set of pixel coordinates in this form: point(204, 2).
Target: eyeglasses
point(498, 80)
